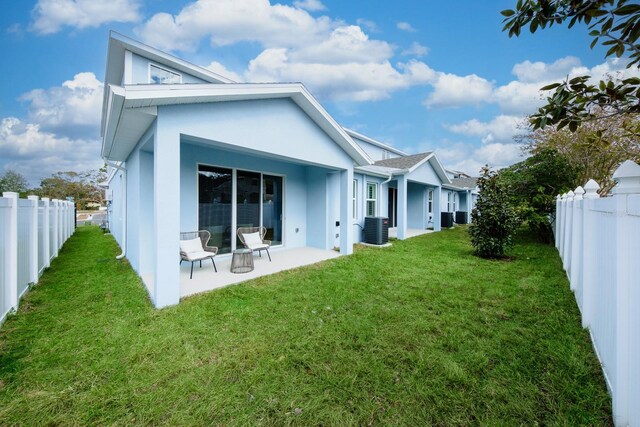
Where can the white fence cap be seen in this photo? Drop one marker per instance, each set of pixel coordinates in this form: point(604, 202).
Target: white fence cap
point(591, 190)
point(627, 178)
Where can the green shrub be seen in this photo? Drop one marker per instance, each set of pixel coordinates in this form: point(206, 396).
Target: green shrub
point(494, 218)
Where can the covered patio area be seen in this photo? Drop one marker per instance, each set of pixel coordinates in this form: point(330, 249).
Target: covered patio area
point(206, 279)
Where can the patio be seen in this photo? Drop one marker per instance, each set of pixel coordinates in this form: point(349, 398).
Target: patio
point(206, 279)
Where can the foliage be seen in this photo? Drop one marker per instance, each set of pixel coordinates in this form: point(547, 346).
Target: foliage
point(494, 218)
point(533, 184)
point(441, 338)
point(13, 181)
point(83, 187)
point(614, 24)
point(594, 151)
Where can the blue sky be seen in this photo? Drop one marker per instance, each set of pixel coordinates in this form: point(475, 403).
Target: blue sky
point(419, 75)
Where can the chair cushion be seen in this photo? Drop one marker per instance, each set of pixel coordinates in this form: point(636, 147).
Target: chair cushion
point(252, 240)
point(198, 255)
point(189, 246)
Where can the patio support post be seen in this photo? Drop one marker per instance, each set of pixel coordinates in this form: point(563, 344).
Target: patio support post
point(402, 207)
point(346, 212)
point(437, 201)
point(166, 205)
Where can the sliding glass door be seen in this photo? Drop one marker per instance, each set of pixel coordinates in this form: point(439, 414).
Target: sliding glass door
point(272, 202)
point(215, 187)
point(258, 202)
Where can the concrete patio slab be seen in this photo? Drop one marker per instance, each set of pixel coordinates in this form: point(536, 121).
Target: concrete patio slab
point(411, 232)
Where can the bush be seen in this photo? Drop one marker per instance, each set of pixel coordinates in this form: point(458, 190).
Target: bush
point(494, 218)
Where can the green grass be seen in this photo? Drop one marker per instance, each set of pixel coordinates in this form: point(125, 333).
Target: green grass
point(421, 333)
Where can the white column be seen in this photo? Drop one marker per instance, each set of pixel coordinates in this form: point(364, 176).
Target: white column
point(402, 206)
point(11, 273)
point(588, 252)
point(346, 211)
point(437, 210)
point(33, 245)
point(46, 242)
point(166, 180)
point(627, 177)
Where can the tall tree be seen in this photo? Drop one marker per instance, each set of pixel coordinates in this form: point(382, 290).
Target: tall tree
point(13, 181)
point(595, 150)
point(83, 187)
point(614, 24)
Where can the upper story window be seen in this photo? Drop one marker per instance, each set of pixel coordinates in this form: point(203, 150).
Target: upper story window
point(159, 75)
point(385, 155)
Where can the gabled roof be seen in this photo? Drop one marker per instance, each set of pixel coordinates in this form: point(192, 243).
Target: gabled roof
point(130, 110)
point(404, 162)
point(375, 142)
point(468, 183)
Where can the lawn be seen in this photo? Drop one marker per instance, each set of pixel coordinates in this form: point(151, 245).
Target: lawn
point(421, 333)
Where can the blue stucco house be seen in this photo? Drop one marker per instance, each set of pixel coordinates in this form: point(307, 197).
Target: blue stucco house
point(189, 149)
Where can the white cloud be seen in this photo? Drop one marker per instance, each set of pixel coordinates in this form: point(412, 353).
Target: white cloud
point(416, 49)
point(470, 158)
point(72, 108)
point(218, 68)
point(310, 5)
point(49, 16)
point(36, 154)
point(405, 26)
point(368, 25)
point(230, 21)
point(500, 129)
point(451, 90)
point(533, 72)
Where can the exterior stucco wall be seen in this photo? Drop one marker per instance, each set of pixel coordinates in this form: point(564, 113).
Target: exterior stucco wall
point(374, 151)
point(416, 206)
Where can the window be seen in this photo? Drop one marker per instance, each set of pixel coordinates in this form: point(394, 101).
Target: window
point(159, 75)
point(372, 197)
point(354, 199)
point(455, 200)
point(430, 201)
point(385, 155)
point(449, 201)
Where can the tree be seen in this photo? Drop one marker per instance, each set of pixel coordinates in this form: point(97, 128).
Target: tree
point(533, 184)
point(13, 181)
point(494, 218)
point(594, 151)
point(614, 24)
point(83, 187)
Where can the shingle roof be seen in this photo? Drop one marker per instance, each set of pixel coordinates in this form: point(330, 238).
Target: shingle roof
point(464, 182)
point(403, 162)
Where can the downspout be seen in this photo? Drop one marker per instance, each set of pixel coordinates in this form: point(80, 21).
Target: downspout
point(124, 206)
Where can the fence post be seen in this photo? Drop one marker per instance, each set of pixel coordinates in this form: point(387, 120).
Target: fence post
point(12, 250)
point(563, 199)
point(566, 248)
point(46, 242)
point(33, 246)
point(576, 240)
point(627, 178)
point(588, 252)
point(557, 222)
point(55, 228)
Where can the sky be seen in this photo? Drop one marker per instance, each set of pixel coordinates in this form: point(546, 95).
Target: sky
point(420, 75)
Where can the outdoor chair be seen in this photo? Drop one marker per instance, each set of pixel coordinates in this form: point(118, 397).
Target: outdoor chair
point(193, 247)
point(253, 238)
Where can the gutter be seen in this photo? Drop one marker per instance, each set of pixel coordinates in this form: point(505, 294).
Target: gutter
point(124, 206)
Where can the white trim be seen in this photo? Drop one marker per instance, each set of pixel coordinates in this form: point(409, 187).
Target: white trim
point(372, 141)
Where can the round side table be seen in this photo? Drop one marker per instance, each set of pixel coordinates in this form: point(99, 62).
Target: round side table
point(242, 261)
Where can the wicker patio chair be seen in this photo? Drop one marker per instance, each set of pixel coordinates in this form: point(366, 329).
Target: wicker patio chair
point(192, 250)
point(253, 238)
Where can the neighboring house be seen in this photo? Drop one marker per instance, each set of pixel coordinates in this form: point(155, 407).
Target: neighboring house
point(460, 196)
point(189, 149)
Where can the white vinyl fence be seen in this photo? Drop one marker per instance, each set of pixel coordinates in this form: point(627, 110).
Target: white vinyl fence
point(31, 233)
point(599, 242)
